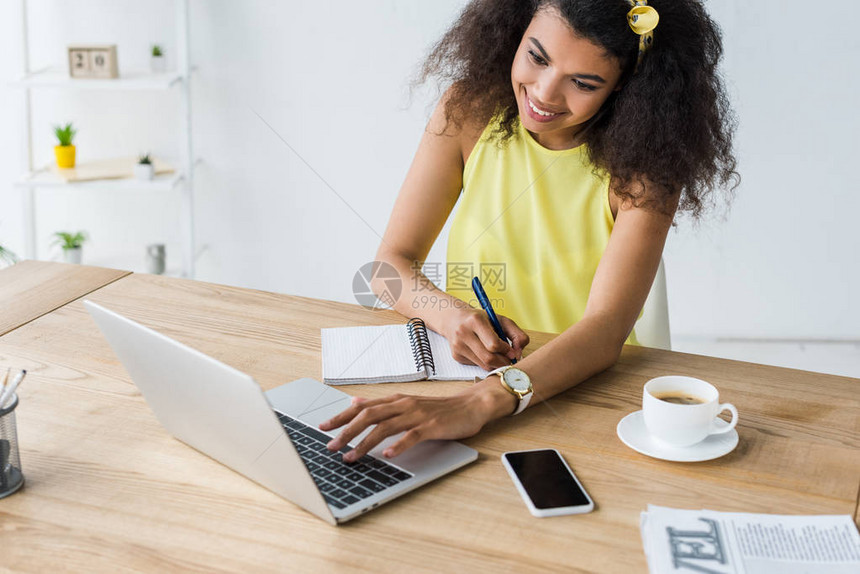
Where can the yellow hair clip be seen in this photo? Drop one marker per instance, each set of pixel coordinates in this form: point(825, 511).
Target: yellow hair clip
point(642, 20)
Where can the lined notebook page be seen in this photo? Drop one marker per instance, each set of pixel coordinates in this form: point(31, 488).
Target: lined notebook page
point(447, 369)
point(368, 354)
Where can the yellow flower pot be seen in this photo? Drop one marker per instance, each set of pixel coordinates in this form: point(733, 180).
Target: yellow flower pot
point(65, 156)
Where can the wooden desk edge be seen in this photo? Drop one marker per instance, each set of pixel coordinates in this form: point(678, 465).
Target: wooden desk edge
point(35, 263)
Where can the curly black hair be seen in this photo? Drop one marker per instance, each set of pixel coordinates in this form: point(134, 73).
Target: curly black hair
point(670, 125)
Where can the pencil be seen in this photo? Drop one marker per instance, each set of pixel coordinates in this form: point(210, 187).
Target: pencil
point(10, 390)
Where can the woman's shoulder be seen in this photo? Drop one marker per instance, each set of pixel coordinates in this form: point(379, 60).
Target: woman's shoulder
point(463, 128)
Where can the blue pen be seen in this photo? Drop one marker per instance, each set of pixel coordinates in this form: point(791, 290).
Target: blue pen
point(485, 304)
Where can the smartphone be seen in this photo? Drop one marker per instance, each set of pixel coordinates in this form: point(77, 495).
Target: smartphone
point(546, 483)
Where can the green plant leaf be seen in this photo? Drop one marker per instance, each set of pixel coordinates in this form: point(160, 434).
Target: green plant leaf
point(65, 134)
point(69, 240)
point(7, 256)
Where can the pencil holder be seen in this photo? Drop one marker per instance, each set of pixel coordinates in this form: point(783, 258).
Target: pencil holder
point(11, 477)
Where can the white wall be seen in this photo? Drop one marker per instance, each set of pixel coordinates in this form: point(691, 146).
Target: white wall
point(784, 264)
point(330, 77)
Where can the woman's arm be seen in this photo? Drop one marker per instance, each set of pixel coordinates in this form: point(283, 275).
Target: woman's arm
point(618, 292)
point(593, 344)
point(428, 195)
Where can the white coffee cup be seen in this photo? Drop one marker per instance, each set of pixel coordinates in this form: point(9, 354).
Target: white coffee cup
point(678, 424)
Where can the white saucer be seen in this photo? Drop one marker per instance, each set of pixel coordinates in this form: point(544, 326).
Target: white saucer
point(632, 432)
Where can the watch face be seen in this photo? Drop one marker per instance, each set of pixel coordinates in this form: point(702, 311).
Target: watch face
point(517, 380)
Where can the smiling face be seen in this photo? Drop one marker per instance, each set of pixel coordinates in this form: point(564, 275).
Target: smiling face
point(560, 80)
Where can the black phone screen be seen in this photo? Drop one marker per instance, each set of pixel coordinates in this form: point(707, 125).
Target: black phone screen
point(546, 479)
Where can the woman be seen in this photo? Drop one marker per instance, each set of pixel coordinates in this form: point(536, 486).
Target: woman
point(575, 129)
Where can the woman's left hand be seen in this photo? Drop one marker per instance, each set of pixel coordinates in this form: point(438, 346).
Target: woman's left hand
point(419, 418)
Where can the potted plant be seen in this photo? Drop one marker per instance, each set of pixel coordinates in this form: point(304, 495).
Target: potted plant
point(157, 62)
point(7, 257)
point(65, 151)
point(144, 169)
point(72, 244)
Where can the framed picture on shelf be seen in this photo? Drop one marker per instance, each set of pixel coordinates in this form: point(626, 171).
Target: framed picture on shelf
point(93, 61)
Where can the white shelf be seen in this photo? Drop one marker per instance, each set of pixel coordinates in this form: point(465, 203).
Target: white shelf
point(47, 178)
point(128, 81)
point(57, 77)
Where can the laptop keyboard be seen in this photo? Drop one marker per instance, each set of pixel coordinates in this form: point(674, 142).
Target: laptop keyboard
point(340, 483)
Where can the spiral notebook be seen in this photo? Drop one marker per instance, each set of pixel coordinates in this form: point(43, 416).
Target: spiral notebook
point(390, 354)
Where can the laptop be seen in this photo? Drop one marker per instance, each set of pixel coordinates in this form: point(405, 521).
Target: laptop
point(272, 437)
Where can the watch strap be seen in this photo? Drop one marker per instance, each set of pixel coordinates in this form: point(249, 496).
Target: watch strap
point(524, 402)
point(498, 371)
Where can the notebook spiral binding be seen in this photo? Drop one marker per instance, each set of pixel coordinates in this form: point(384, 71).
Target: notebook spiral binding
point(420, 345)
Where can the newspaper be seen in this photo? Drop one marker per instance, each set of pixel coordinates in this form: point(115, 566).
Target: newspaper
point(684, 541)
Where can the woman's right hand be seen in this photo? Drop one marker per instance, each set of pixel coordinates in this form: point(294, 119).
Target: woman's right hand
point(474, 341)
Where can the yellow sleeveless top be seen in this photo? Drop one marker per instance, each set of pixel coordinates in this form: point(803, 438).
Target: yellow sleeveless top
point(532, 224)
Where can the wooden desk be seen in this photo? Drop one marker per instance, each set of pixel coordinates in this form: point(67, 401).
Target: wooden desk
point(30, 289)
point(107, 488)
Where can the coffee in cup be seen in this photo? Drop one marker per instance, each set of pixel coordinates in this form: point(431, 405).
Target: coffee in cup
point(682, 411)
point(679, 398)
